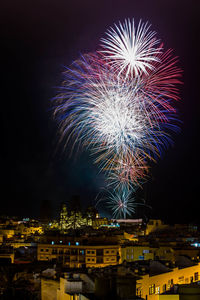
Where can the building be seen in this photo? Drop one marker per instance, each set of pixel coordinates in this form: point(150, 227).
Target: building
point(150, 286)
point(7, 233)
point(154, 225)
point(63, 216)
point(135, 252)
point(182, 292)
point(69, 287)
point(77, 256)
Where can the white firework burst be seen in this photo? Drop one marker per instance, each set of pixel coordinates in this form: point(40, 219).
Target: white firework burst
point(129, 49)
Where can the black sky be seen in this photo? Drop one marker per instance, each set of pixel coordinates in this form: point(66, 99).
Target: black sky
point(37, 39)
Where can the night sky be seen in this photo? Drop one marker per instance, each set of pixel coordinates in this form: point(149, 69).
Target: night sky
point(39, 38)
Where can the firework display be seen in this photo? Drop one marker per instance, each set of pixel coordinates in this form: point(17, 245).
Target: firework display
point(119, 104)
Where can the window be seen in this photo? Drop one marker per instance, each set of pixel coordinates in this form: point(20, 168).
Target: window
point(88, 259)
point(88, 251)
point(196, 276)
point(152, 289)
point(41, 250)
point(145, 251)
point(157, 290)
point(92, 252)
point(181, 279)
point(164, 288)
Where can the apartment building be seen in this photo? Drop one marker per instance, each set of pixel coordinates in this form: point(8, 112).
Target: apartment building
point(150, 287)
point(77, 256)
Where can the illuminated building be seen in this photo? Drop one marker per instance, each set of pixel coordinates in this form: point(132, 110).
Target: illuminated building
point(77, 256)
point(63, 216)
point(182, 292)
point(150, 286)
point(135, 252)
point(98, 222)
point(73, 219)
point(71, 287)
point(26, 230)
point(7, 233)
point(154, 225)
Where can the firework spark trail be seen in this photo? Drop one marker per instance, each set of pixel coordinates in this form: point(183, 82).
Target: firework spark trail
point(119, 104)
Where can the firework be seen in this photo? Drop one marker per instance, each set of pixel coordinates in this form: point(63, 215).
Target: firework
point(119, 104)
point(115, 119)
point(121, 203)
point(131, 49)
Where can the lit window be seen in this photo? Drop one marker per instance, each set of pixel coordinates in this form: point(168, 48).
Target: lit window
point(77, 243)
point(52, 243)
point(145, 251)
point(152, 289)
point(157, 290)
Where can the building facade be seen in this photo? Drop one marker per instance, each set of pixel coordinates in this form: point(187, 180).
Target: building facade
point(77, 256)
point(150, 287)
